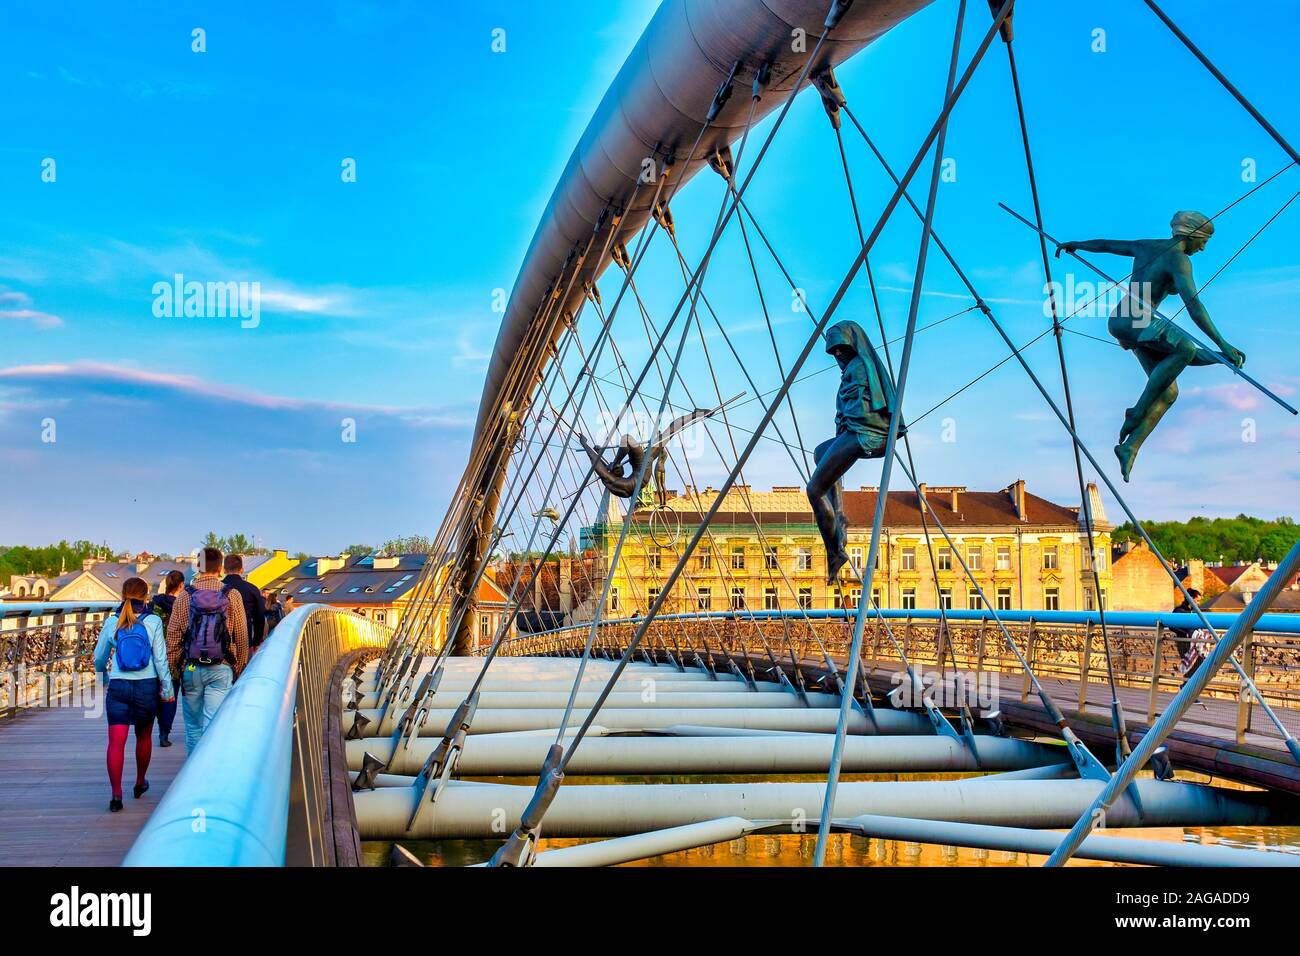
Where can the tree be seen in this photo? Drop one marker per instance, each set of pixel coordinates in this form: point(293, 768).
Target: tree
point(411, 544)
point(1238, 540)
point(358, 550)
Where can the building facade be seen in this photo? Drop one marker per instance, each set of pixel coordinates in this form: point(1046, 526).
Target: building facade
point(762, 551)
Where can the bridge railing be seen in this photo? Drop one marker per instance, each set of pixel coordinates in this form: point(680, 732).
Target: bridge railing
point(47, 651)
point(1065, 645)
point(256, 790)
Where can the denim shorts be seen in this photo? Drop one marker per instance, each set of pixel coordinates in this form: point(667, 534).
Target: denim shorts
point(132, 702)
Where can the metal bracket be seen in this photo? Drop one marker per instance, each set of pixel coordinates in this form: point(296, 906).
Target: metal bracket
point(521, 848)
point(370, 767)
point(833, 99)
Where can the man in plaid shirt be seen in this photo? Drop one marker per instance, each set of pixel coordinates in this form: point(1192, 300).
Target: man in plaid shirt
point(205, 685)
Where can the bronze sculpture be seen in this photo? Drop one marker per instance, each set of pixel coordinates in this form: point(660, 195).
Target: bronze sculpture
point(1160, 267)
point(864, 405)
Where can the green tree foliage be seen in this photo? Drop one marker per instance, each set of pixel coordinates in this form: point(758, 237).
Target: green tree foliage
point(1238, 540)
point(358, 550)
point(232, 544)
point(411, 544)
point(47, 561)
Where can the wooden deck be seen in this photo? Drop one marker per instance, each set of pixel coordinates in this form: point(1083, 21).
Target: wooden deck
point(54, 789)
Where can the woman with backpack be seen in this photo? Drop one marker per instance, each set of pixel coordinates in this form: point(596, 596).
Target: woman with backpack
point(132, 652)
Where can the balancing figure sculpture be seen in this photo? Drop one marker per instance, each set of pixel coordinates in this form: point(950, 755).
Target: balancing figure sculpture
point(1160, 267)
point(864, 405)
point(619, 474)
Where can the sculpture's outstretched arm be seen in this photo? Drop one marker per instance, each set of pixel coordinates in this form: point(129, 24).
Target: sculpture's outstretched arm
point(1114, 247)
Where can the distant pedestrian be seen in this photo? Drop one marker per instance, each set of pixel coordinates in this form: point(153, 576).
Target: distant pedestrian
point(251, 596)
point(1192, 641)
point(162, 606)
point(271, 613)
point(286, 605)
point(132, 652)
point(207, 640)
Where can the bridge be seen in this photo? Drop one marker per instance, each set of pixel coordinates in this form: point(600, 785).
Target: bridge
point(342, 733)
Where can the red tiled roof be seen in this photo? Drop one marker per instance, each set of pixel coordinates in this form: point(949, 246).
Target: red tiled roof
point(1229, 573)
point(976, 509)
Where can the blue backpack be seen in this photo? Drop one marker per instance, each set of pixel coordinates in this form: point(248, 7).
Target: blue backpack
point(134, 649)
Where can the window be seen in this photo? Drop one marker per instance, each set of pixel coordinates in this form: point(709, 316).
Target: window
point(770, 559)
point(909, 559)
point(354, 589)
point(975, 559)
point(875, 597)
point(484, 626)
point(945, 598)
point(704, 599)
point(803, 559)
point(1004, 557)
point(1101, 560)
point(398, 583)
point(1104, 606)
point(1051, 557)
point(909, 599)
point(1087, 599)
point(653, 561)
point(837, 600)
point(304, 590)
point(944, 559)
point(805, 599)
point(651, 595)
point(705, 560)
point(769, 600)
point(855, 557)
point(973, 600)
point(855, 596)
point(1004, 599)
point(1052, 599)
point(738, 559)
point(738, 599)
point(613, 599)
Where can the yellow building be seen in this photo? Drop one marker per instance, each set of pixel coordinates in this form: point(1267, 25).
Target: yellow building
point(763, 551)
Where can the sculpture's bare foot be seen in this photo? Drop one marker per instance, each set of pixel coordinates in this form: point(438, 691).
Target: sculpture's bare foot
point(834, 562)
point(1131, 422)
point(1125, 454)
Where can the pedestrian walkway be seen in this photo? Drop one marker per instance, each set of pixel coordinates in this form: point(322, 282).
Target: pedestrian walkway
point(54, 789)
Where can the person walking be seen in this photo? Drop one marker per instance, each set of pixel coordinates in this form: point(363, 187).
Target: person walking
point(251, 596)
point(271, 613)
point(207, 641)
point(162, 605)
point(132, 652)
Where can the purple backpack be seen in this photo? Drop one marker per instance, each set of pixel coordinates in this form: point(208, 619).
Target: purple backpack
point(207, 640)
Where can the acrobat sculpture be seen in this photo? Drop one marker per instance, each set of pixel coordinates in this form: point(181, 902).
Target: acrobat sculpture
point(1160, 267)
point(619, 474)
point(863, 406)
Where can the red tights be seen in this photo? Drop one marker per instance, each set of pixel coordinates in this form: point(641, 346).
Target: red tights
point(117, 753)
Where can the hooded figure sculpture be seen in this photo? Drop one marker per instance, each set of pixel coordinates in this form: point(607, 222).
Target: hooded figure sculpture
point(864, 405)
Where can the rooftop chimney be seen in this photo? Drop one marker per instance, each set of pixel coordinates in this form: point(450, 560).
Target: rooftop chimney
point(956, 501)
point(1017, 491)
point(920, 497)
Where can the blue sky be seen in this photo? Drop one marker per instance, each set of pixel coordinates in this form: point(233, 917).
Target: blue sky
point(377, 295)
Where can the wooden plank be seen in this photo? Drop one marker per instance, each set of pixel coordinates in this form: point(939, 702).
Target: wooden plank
point(54, 789)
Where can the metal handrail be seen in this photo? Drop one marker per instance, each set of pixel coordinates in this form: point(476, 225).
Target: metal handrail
point(252, 793)
point(1278, 623)
point(46, 650)
point(1060, 645)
